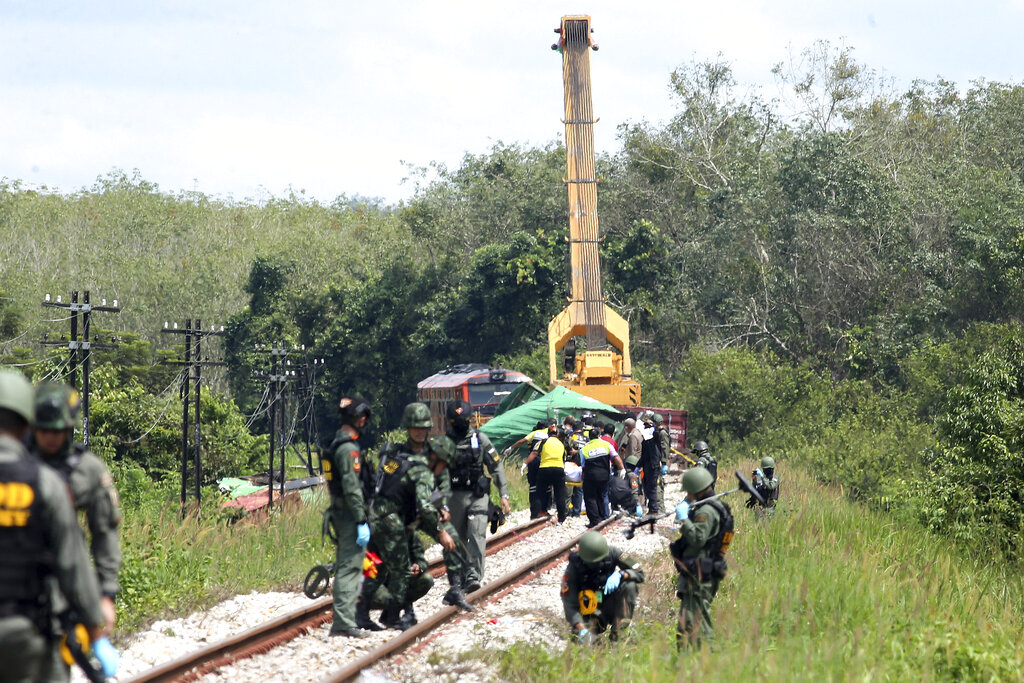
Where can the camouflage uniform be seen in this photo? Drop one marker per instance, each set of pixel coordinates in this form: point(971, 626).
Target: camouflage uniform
point(419, 583)
point(399, 509)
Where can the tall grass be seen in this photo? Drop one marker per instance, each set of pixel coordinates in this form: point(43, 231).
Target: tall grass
point(174, 566)
point(826, 590)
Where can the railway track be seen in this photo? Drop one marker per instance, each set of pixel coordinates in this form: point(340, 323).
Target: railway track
point(492, 590)
point(289, 626)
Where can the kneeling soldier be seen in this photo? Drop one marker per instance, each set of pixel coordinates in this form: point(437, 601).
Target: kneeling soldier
point(599, 588)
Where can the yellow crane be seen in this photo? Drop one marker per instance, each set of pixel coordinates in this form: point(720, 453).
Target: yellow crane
point(602, 369)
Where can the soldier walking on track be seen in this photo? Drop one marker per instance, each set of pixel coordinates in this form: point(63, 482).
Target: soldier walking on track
point(347, 516)
point(40, 542)
point(471, 488)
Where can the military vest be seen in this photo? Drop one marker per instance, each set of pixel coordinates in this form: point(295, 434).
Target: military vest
point(591, 576)
point(394, 487)
point(469, 465)
point(24, 558)
point(330, 465)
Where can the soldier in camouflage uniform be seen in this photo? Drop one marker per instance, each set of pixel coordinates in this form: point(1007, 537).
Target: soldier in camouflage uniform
point(704, 536)
point(767, 485)
point(402, 505)
point(343, 467)
point(471, 488)
point(40, 543)
point(420, 581)
point(665, 442)
point(92, 490)
point(702, 452)
point(599, 588)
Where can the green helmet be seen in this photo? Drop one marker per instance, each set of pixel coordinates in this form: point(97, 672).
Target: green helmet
point(16, 394)
point(658, 419)
point(768, 463)
point(696, 479)
point(442, 447)
point(57, 406)
point(593, 547)
point(701, 447)
point(416, 415)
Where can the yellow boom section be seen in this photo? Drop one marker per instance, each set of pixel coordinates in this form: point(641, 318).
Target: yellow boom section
point(603, 370)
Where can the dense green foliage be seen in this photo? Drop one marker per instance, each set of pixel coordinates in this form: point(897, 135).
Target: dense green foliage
point(836, 280)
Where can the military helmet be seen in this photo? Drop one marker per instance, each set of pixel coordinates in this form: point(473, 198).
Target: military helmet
point(16, 394)
point(696, 479)
point(593, 547)
point(442, 447)
point(354, 407)
point(416, 415)
point(768, 463)
point(658, 419)
point(701, 447)
point(57, 406)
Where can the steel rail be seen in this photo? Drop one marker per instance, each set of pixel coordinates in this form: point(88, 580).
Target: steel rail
point(408, 637)
point(288, 626)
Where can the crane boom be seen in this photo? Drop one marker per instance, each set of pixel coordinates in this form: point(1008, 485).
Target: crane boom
point(603, 370)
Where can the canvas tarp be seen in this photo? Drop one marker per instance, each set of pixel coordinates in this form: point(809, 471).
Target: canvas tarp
point(509, 427)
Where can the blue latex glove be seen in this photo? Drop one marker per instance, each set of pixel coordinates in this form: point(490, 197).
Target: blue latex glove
point(759, 473)
point(612, 584)
point(664, 469)
point(639, 510)
point(682, 511)
point(107, 656)
point(583, 636)
point(362, 535)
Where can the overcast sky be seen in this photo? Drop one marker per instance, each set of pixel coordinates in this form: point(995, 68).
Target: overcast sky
point(250, 98)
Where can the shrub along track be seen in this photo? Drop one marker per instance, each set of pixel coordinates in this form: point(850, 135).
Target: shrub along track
point(274, 633)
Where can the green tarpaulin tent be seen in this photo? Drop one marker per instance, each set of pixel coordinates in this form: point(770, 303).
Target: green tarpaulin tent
point(509, 427)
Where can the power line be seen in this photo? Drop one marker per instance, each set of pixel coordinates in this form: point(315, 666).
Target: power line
point(80, 351)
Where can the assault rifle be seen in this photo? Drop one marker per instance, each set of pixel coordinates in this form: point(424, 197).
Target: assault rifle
point(744, 485)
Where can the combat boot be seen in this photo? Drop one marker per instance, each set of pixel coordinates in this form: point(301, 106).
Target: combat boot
point(471, 583)
point(455, 596)
point(392, 617)
point(410, 614)
point(363, 619)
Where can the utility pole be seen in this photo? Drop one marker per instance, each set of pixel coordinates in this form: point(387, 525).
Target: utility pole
point(280, 375)
point(80, 351)
point(306, 394)
point(194, 362)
